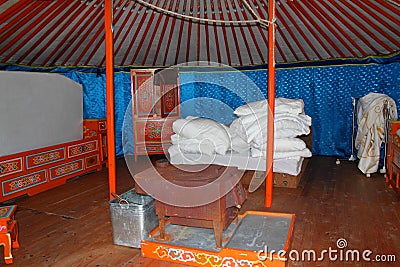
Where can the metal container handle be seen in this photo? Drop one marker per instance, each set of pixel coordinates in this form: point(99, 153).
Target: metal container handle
point(123, 203)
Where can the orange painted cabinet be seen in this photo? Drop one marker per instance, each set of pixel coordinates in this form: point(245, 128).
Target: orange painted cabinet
point(34, 171)
point(155, 106)
point(97, 127)
point(393, 156)
point(8, 231)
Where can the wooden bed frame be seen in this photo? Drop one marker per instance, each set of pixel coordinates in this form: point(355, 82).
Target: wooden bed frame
point(34, 171)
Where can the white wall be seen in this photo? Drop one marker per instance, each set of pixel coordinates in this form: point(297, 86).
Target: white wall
point(38, 110)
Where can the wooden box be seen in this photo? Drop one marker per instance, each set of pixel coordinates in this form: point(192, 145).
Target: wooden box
point(287, 180)
point(280, 179)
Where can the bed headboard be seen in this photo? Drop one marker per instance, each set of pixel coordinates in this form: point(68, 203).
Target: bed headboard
point(38, 110)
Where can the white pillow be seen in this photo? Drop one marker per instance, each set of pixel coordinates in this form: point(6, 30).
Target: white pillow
point(284, 145)
point(290, 132)
point(299, 118)
point(287, 105)
point(282, 105)
point(253, 127)
point(193, 146)
point(203, 129)
point(251, 108)
point(250, 126)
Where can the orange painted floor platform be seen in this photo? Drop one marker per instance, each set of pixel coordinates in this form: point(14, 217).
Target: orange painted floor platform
point(256, 239)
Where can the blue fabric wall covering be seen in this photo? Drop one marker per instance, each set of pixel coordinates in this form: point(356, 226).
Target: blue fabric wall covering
point(94, 94)
point(327, 92)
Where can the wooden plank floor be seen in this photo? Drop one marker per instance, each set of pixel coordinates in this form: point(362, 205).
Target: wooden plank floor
point(71, 226)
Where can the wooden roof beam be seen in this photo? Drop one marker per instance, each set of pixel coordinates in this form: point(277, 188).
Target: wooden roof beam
point(325, 18)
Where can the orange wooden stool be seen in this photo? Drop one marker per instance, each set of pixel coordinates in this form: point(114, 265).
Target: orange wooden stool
point(8, 231)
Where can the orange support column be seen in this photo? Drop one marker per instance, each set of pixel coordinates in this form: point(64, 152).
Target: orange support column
point(271, 103)
point(108, 22)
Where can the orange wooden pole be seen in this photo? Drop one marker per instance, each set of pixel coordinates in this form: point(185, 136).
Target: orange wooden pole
point(108, 21)
point(271, 102)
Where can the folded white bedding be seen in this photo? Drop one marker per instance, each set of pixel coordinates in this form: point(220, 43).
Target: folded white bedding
point(206, 135)
point(238, 144)
point(242, 161)
point(193, 145)
point(243, 143)
point(284, 145)
point(282, 105)
point(290, 165)
point(305, 153)
point(253, 127)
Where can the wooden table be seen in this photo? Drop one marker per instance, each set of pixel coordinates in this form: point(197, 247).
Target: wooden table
point(217, 214)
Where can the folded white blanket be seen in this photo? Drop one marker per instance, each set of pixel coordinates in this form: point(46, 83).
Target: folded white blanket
point(246, 134)
point(238, 144)
point(243, 161)
point(305, 153)
point(284, 145)
point(282, 105)
point(186, 145)
point(253, 127)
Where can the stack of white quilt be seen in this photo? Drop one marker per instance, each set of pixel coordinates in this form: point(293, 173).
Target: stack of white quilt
point(243, 143)
point(249, 130)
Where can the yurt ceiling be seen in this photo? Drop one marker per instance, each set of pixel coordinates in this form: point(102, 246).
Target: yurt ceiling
point(169, 32)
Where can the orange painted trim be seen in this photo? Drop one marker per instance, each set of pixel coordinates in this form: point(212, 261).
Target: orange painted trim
point(271, 104)
point(108, 21)
point(224, 257)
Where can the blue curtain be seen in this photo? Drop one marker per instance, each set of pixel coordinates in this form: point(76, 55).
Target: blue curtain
point(327, 92)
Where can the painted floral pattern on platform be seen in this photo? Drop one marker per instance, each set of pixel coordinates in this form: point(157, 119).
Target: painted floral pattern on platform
point(203, 259)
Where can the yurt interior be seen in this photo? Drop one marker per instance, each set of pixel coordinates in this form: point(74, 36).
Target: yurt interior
point(200, 133)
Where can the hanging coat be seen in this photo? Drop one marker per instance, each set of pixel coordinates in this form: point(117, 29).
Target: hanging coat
point(371, 118)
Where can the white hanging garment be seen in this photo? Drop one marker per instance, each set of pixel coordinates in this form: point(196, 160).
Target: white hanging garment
point(371, 118)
